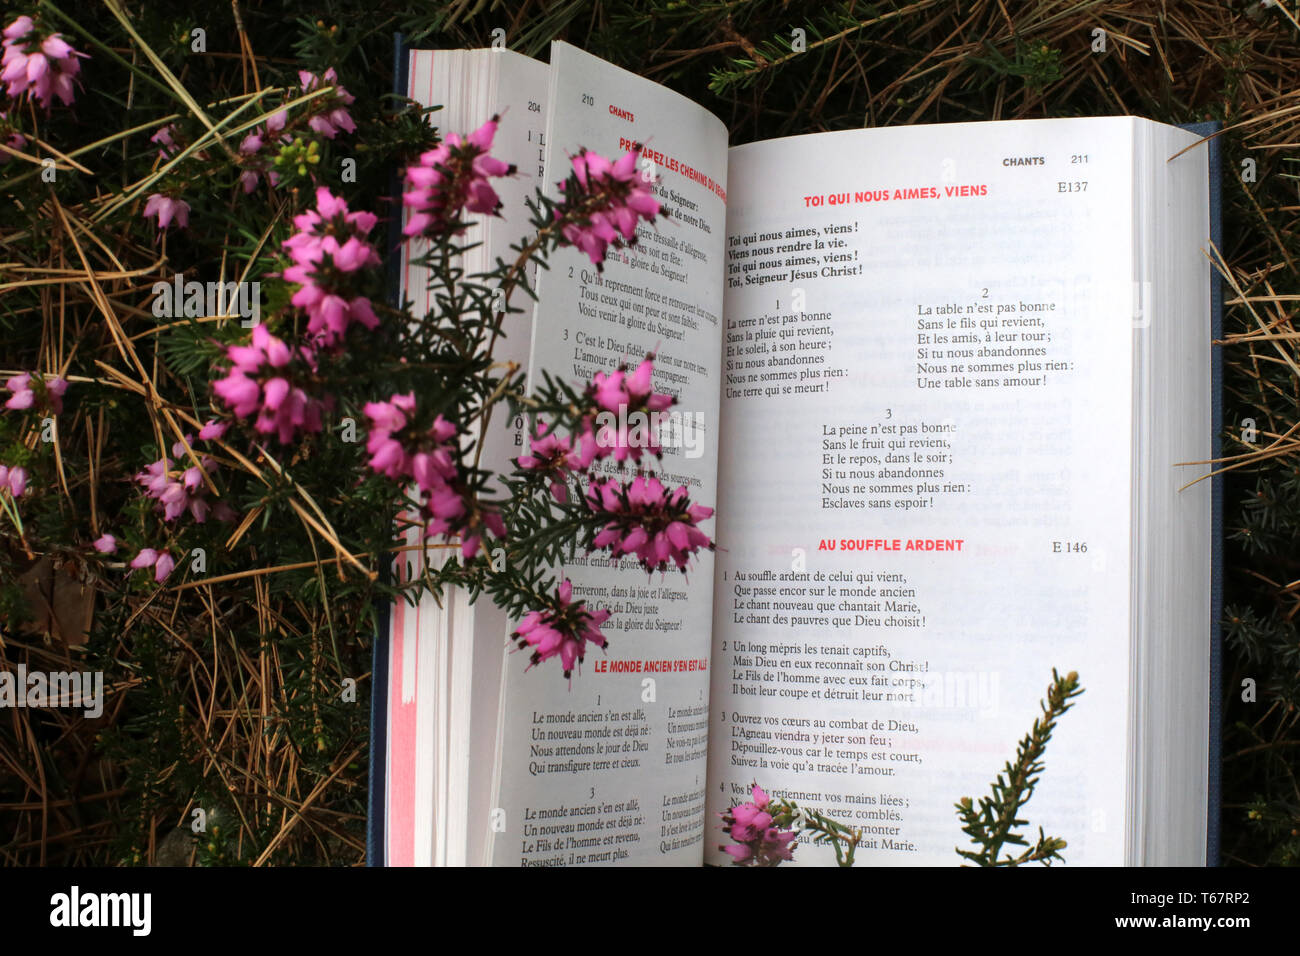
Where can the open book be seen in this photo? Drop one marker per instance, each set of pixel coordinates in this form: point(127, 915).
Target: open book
point(941, 383)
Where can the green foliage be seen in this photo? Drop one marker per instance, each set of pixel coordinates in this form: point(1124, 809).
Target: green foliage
point(992, 823)
point(827, 26)
point(1038, 66)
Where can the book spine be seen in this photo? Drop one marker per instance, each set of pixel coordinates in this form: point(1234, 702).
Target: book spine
point(1214, 784)
point(1214, 802)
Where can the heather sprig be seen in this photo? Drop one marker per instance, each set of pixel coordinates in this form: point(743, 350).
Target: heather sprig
point(266, 381)
point(644, 518)
point(452, 179)
point(611, 419)
point(333, 400)
point(29, 390)
point(993, 821)
point(563, 628)
point(762, 831)
point(766, 829)
point(603, 203)
point(38, 64)
point(330, 254)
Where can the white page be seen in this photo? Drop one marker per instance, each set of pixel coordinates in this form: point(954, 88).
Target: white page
point(637, 795)
point(1017, 476)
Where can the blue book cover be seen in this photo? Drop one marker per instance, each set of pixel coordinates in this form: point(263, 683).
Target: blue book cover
point(379, 671)
point(1214, 784)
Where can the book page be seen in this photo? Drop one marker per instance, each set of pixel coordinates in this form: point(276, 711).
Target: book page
point(610, 767)
point(439, 783)
point(925, 479)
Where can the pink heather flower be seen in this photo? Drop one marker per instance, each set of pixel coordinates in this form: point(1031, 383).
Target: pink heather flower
point(555, 458)
point(400, 451)
point(254, 172)
point(445, 511)
point(41, 70)
point(759, 841)
point(24, 396)
point(335, 118)
point(327, 250)
point(645, 519)
point(603, 202)
point(452, 178)
point(105, 544)
point(12, 138)
point(13, 479)
point(164, 567)
point(213, 429)
point(19, 28)
point(251, 145)
point(625, 423)
point(178, 492)
point(255, 165)
point(161, 562)
point(167, 147)
point(640, 393)
point(260, 383)
point(167, 208)
point(471, 533)
point(54, 389)
point(562, 629)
